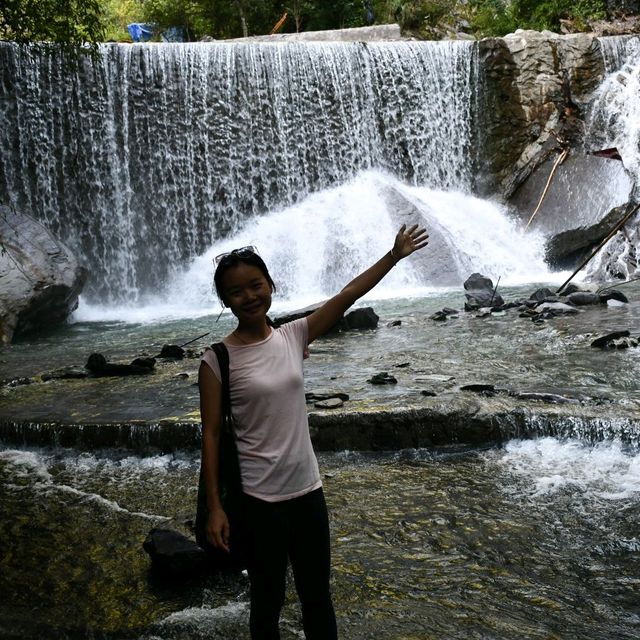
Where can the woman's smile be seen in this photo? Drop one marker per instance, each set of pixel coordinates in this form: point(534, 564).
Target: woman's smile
point(247, 291)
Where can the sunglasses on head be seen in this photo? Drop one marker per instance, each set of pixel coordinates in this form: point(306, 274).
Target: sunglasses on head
point(242, 252)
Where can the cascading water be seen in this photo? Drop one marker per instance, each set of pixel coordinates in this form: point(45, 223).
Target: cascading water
point(614, 121)
point(315, 247)
point(146, 157)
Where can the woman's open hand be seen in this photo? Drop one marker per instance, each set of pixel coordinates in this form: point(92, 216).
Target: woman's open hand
point(409, 240)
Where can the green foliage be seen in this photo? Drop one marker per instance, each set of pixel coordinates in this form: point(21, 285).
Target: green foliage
point(117, 14)
point(74, 22)
point(498, 17)
point(71, 23)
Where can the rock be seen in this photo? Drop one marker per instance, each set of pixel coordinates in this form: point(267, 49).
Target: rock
point(483, 389)
point(567, 249)
point(556, 308)
point(313, 396)
point(365, 318)
point(434, 378)
point(623, 343)
point(68, 373)
point(171, 351)
point(613, 294)
point(583, 298)
point(330, 403)
point(394, 323)
point(149, 363)
point(544, 397)
point(382, 378)
point(99, 367)
point(297, 314)
point(579, 208)
point(530, 79)
point(40, 279)
point(428, 393)
point(480, 293)
point(571, 288)
point(444, 314)
point(19, 382)
point(402, 365)
point(603, 342)
point(173, 553)
point(540, 295)
point(615, 303)
point(183, 375)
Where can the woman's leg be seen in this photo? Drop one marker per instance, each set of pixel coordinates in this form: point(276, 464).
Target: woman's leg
point(309, 551)
point(265, 545)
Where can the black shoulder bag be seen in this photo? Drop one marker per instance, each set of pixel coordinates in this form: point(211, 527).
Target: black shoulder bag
point(229, 482)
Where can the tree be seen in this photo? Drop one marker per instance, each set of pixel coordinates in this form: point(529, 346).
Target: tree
point(71, 23)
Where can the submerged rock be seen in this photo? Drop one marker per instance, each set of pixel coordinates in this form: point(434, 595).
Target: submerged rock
point(552, 398)
point(556, 308)
point(382, 378)
point(329, 403)
point(583, 298)
point(68, 373)
point(173, 553)
point(483, 389)
point(171, 351)
point(99, 367)
point(614, 294)
point(318, 396)
point(605, 342)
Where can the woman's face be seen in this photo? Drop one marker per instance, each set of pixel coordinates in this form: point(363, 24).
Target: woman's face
point(246, 292)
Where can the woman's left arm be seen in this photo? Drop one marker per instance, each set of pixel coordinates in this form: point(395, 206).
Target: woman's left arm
point(407, 241)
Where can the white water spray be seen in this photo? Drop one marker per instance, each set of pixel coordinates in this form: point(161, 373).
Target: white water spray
point(604, 471)
point(314, 248)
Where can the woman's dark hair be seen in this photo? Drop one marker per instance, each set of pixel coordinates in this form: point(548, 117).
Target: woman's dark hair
point(233, 259)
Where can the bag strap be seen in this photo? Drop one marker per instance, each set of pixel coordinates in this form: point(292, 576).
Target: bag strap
point(222, 353)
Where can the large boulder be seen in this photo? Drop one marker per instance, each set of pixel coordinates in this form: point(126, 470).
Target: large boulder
point(40, 279)
point(584, 200)
point(535, 87)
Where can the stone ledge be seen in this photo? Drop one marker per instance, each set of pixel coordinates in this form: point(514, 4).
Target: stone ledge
point(462, 420)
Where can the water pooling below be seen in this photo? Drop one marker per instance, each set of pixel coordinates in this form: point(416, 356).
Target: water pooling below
point(535, 539)
point(504, 350)
point(538, 539)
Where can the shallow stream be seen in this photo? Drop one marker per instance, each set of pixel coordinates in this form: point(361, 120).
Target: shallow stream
point(538, 539)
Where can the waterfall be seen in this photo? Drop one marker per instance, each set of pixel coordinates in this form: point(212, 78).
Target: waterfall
point(314, 247)
point(614, 118)
point(615, 50)
point(614, 121)
point(145, 157)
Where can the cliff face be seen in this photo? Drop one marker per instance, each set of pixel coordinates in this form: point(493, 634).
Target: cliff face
point(535, 88)
point(545, 120)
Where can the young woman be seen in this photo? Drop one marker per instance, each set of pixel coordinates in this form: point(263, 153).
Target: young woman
point(284, 516)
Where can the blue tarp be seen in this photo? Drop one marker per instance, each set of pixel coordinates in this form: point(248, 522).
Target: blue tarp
point(140, 32)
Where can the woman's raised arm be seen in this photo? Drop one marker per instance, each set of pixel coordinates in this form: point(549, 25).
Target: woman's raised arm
point(407, 241)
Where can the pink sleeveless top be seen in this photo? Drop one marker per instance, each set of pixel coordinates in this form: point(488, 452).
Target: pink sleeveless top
point(277, 461)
